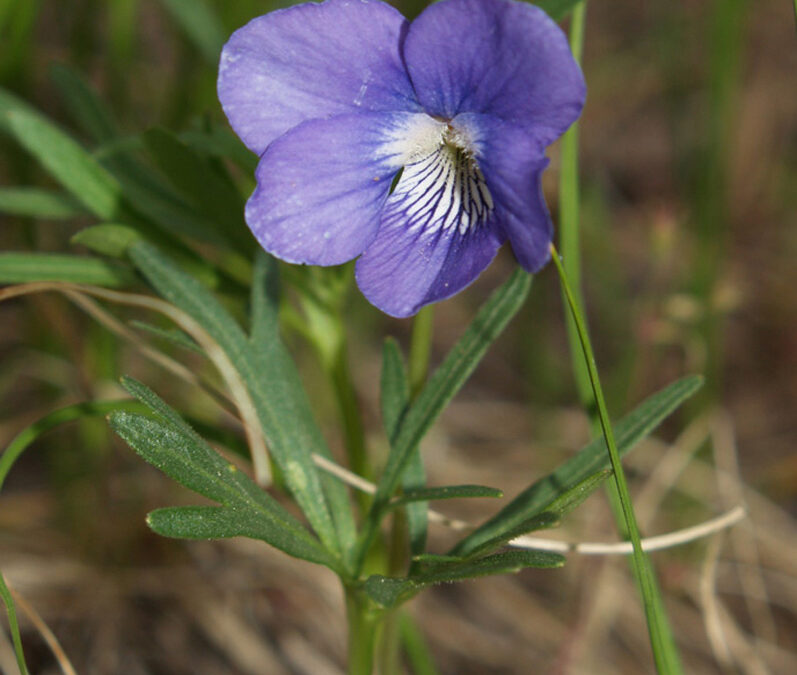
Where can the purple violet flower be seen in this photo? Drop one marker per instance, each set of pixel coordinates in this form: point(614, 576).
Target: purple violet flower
point(338, 97)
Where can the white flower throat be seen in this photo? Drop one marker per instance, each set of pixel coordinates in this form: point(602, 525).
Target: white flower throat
point(441, 186)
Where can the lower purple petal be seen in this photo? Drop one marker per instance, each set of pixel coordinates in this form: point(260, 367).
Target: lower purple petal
point(321, 186)
point(405, 269)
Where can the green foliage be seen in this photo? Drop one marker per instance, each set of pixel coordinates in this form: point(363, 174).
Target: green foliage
point(557, 9)
point(446, 381)
point(17, 268)
point(13, 624)
point(32, 202)
point(429, 494)
point(395, 399)
point(592, 459)
point(276, 390)
point(392, 591)
point(67, 162)
point(172, 446)
point(108, 239)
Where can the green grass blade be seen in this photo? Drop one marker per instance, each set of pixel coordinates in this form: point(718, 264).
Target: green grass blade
point(56, 418)
point(13, 624)
point(200, 23)
point(665, 652)
point(591, 459)
point(20, 268)
point(86, 109)
point(67, 162)
point(32, 202)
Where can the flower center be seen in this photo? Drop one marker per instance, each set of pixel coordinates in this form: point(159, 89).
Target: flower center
point(442, 186)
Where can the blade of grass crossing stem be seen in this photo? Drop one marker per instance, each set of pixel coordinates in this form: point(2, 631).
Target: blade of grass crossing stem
point(271, 378)
point(665, 652)
point(14, 626)
point(442, 386)
point(29, 434)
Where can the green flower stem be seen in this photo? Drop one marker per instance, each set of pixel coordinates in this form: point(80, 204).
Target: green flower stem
point(420, 349)
point(664, 651)
point(398, 549)
point(364, 628)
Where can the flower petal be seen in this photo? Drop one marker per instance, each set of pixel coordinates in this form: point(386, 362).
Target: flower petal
point(499, 57)
point(406, 268)
point(321, 186)
point(512, 162)
point(312, 61)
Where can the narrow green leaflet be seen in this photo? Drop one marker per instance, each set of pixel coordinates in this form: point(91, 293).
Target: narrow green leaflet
point(575, 496)
point(264, 299)
point(221, 522)
point(85, 108)
point(19, 268)
point(394, 388)
point(541, 521)
point(201, 25)
point(284, 412)
point(391, 592)
point(109, 239)
point(174, 448)
point(67, 162)
point(32, 202)
point(557, 9)
point(430, 494)
point(173, 335)
point(590, 460)
point(395, 399)
point(450, 376)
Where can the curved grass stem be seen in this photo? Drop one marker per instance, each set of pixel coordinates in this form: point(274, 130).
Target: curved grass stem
point(664, 650)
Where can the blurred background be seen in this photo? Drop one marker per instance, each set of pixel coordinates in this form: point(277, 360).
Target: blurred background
point(689, 242)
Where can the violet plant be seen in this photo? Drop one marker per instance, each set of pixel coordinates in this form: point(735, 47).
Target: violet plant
point(416, 148)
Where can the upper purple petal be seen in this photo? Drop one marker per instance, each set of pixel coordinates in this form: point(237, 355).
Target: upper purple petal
point(512, 162)
point(313, 61)
point(321, 186)
point(500, 57)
